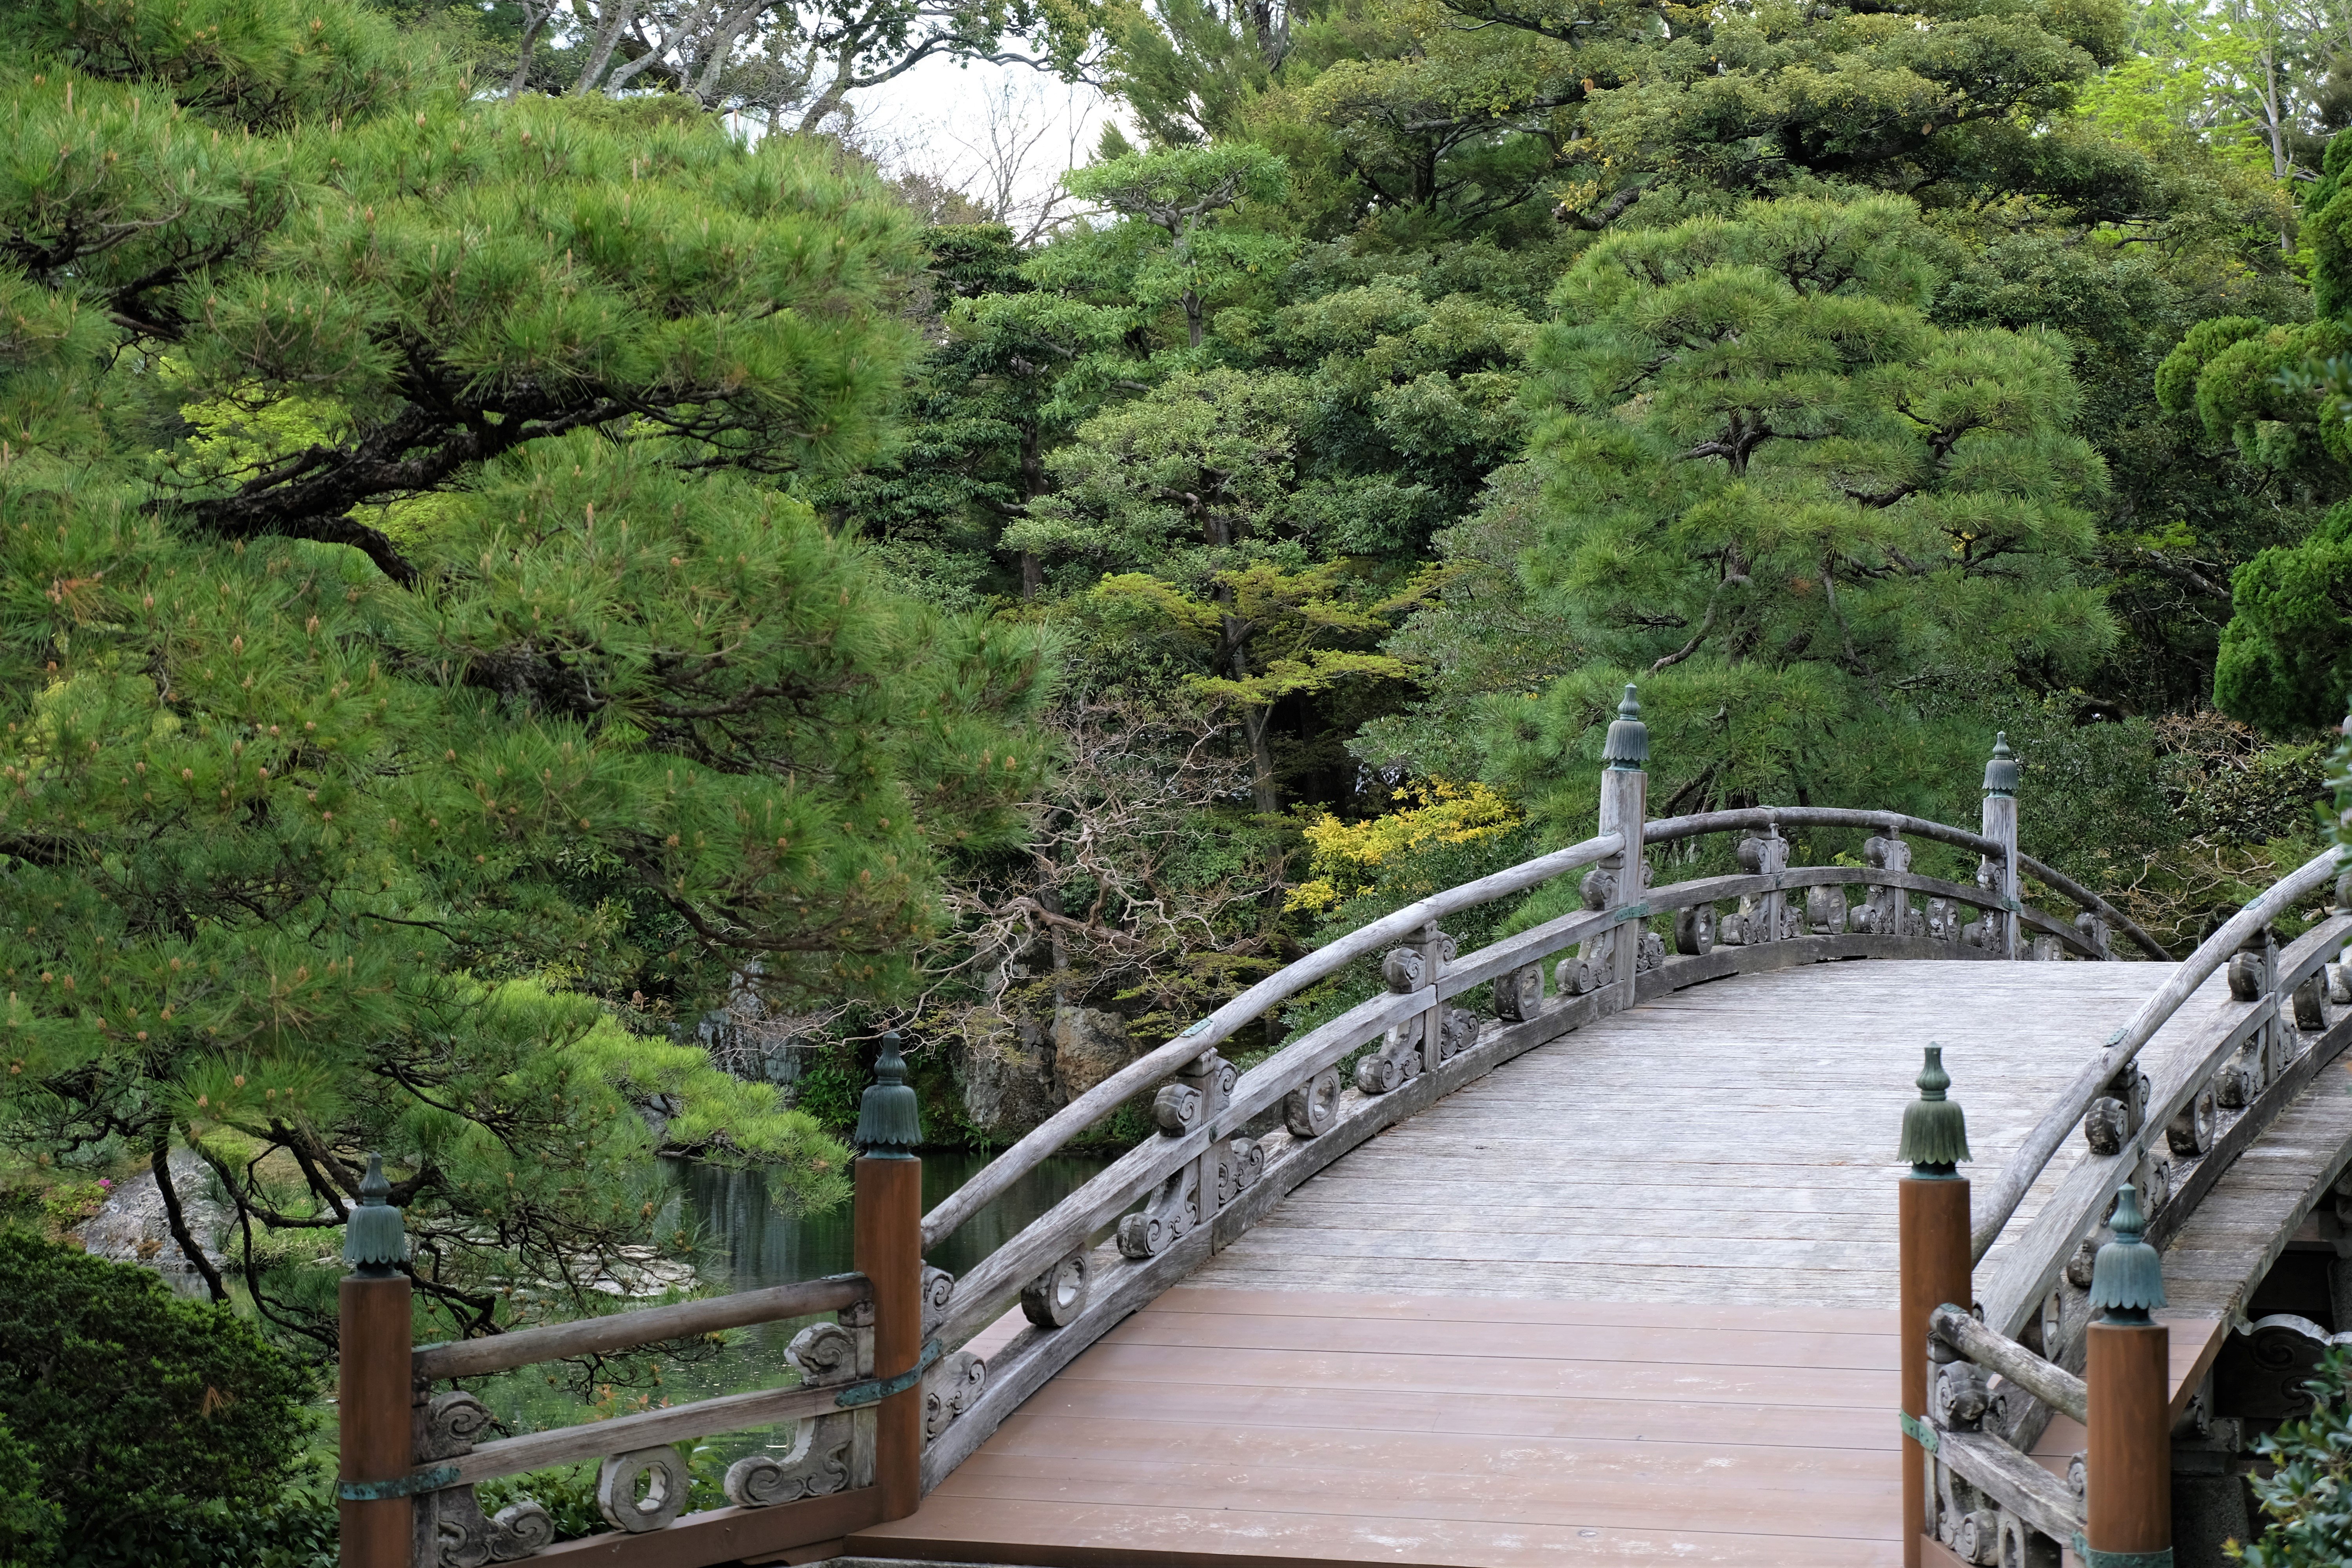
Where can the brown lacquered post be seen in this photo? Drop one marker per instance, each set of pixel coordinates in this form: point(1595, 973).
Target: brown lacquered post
point(889, 1251)
point(1934, 1246)
point(2130, 1456)
point(372, 1414)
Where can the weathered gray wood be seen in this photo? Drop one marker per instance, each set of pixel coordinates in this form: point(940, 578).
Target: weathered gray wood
point(1108, 1095)
point(1668, 829)
point(982, 1293)
point(2225, 1247)
point(621, 1331)
point(2013, 1288)
point(596, 1439)
point(2192, 973)
point(2046, 1381)
point(1035, 1355)
point(1759, 1112)
point(2024, 1487)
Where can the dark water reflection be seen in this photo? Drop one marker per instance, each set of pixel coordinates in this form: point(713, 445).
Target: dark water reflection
point(748, 1244)
point(753, 1245)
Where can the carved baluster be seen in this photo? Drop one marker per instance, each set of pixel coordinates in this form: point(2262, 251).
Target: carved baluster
point(2093, 928)
point(1188, 1197)
point(1766, 916)
point(1418, 1043)
point(451, 1529)
point(825, 1455)
point(1825, 909)
point(2002, 775)
point(1595, 958)
point(2253, 977)
point(1890, 908)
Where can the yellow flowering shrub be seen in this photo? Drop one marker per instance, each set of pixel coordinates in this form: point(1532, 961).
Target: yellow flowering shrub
point(1346, 855)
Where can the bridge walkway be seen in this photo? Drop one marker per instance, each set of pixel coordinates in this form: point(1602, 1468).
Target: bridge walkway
point(1628, 1299)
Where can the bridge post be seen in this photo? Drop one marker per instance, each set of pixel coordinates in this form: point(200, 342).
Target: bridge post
point(371, 1404)
point(887, 1244)
point(1624, 808)
point(2000, 780)
point(1932, 1228)
point(2129, 1500)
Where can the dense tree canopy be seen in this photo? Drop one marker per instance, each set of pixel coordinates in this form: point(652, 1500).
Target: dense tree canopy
point(414, 642)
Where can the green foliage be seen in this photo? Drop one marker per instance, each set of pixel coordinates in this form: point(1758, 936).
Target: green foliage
point(2286, 655)
point(130, 1407)
point(421, 682)
point(1793, 509)
point(2308, 1495)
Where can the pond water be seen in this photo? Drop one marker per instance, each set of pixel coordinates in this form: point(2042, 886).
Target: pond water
point(749, 1244)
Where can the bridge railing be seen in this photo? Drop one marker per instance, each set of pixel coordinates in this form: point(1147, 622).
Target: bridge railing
point(2166, 1136)
point(411, 1457)
point(1229, 1144)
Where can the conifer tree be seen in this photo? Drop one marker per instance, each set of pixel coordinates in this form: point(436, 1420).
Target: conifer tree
point(413, 652)
point(1808, 521)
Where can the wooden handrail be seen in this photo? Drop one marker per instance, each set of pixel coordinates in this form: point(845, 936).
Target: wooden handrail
point(2045, 1380)
point(2025, 1166)
point(1667, 830)
point(1043, 1141)
point(1048, 1137)
point(625, 1330)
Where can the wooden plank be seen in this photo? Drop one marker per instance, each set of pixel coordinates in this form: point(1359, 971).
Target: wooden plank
point(723, 1534)
point(1204, 1535)
point(2018, 1483)
point(597, 1439)
point(621, 1331)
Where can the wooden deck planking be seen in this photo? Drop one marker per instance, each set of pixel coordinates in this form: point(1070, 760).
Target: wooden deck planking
point(1397, 1429)
point(1646, 1158)
point(1628, 1299)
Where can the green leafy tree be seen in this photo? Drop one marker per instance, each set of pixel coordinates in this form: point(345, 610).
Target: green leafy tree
point(1174, 247)
point(1793, 509)
point(365, 770)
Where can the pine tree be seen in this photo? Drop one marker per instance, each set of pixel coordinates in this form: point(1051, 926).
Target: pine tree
point(414, 651)
point(1810, 524)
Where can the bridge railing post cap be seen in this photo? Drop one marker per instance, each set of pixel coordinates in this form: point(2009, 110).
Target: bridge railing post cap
point(2126, 1275)
point(2002, 771)
point(889, 1120)
point(1628, 745)
point(1935, 1129)
point(374, 1240)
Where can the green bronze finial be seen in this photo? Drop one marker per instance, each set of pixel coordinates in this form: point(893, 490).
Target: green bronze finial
point(1935, 1130)
point(2128, 1278)
point(889, 1123)
point(374, 1241)
point(1629, 739)
point(2002, 771)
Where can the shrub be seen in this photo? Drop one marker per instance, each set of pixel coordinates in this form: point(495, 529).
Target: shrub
point(2308, 1496)
point(135, 1407)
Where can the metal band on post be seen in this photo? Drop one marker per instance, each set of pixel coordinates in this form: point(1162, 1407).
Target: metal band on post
point(372, 1405)
point(1932, 1205)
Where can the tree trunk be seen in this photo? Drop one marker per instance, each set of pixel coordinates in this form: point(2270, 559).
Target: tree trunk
point(1265, 797)
point(1191, 301)
point(160, 1163)
point(608, 38)
point(535, 18)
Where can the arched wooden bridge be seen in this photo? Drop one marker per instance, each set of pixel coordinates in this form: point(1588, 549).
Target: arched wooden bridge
point(1589, 1254)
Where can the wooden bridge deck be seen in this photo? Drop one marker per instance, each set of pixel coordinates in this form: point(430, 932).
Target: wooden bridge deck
point(1628, 1299)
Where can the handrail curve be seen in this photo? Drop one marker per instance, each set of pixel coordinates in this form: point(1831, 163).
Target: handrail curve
point(1671, 828)
point(2025, 1166)
point(1048, 1137)
point(1043, 1141)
